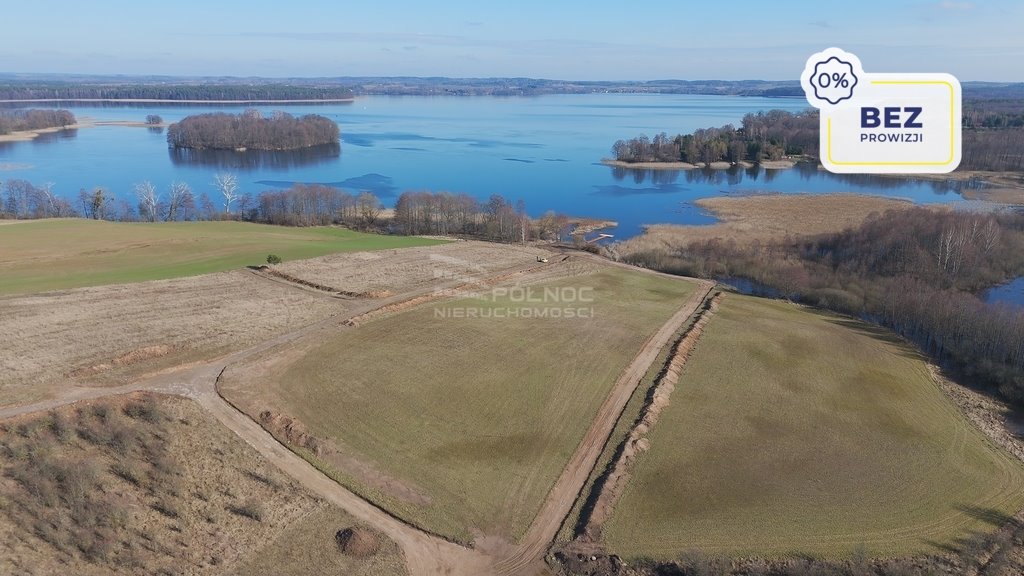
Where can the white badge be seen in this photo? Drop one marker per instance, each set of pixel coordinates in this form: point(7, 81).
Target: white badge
point(882, 123)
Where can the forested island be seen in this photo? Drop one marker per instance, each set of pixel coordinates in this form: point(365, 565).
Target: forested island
point(251, 131)
point(22, 120)
point(762, 136)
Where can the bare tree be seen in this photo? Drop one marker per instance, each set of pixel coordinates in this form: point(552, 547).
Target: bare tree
point(180, 195)
point(99, 204)
point(148, 200)
point(369, 208)
point(227, 183)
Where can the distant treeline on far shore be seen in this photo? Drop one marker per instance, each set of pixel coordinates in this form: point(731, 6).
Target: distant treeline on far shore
point(993, 139)
point(251, 131)
point(19, 120)
point(172, 92)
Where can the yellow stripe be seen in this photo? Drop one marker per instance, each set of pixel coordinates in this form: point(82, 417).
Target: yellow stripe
point(952, 130)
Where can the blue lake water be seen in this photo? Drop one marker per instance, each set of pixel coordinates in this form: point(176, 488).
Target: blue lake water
point(544, 150)
point(1011, 293)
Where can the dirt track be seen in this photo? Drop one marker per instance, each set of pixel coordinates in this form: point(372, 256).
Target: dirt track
point(528, 555)
point(425, 554)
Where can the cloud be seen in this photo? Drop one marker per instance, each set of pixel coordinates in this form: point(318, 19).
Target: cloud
point(820, 24)
point(951, 5)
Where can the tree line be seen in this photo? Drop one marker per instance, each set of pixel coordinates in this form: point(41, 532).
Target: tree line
point(317, 205)
point(762, 136)
point(250, 130)
point(19, 120)
point(174, 92)
point(993, 139)
point(913, 271)
point(415, 213)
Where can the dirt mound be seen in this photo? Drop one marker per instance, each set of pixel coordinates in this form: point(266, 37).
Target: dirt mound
point(322, 287)
point(290, 430)
point(140, 354)
point(126, 359)
point(358, 542)
point(637, 442)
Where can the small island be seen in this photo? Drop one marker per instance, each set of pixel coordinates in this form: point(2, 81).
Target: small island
point(765, 138)
point(251, 131)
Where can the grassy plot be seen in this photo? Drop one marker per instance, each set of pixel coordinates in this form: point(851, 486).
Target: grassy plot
point(71, 253)
point(796, 432)
point(475, 416)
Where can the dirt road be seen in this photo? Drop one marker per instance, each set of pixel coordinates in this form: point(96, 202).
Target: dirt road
point(528, 555)
point(425, 554)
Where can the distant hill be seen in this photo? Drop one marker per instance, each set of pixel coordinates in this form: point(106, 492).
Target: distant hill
point(56, 86)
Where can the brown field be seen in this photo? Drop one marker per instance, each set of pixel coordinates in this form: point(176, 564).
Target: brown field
point(111, 334)
point(408, 268)
point(749, 218)
point(148, 484)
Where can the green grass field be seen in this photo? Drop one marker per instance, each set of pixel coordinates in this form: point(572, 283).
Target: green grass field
point(70, 253)
point(479, 415)
point(797, 432)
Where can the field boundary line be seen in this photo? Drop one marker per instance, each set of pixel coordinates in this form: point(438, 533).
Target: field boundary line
point(571, 483)
point(610, 486)
point(299, 454)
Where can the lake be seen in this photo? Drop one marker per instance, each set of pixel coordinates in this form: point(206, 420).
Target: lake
point(1011, 293)
point(544, 150)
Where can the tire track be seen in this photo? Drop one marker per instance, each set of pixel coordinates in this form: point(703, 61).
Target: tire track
point(527, 557)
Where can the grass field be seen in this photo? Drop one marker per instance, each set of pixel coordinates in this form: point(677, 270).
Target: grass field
point(797, 432)
point(623, 427)
point(70, 253)
point(473, 418)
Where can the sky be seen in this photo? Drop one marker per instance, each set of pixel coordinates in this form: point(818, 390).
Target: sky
point(560, 39)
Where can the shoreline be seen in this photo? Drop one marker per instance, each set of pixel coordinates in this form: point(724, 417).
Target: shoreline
point(767, 164)
point(166, 101)
point(29, 135)
point(764, 217)
point(1002, 187)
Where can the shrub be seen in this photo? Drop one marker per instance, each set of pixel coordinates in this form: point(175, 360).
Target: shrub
point(168, 507)
point(130, 471)
point(60, 427)
point(274, 259)
point(146, 409)
point(154, 119)
point(251, 508)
